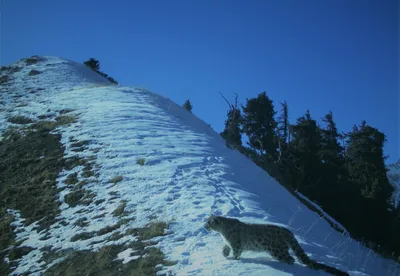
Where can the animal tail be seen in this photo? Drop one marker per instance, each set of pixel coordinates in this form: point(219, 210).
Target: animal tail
point(299, 252)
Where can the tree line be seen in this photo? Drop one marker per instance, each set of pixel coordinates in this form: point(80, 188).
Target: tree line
point(344, 173)
point(94, 64)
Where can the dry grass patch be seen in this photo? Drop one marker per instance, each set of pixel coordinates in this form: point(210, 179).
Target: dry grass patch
point(79, 196)
point(4, 79)
point(31, 61)
point(20, 120)
point(71, 179)
point(87, 171)
point(30, 162)
point(65, 120)
point(80, 144)
point(83, 236)
point(73, 162)
point(141, 161)
point(34, 72)
point(65, 110)
point(105, 261)
point(46, 126)
point(82, 222)
point(151, 230)
point(120, 209)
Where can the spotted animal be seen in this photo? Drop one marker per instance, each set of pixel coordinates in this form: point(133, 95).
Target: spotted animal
point(276, 240)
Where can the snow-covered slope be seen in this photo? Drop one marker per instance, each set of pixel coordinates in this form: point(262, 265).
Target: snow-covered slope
point(188, 174)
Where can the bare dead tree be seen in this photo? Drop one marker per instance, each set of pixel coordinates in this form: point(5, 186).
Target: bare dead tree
point(231, 106)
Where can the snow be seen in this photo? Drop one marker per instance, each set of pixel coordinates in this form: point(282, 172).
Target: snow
point(127, 256)
point(189, 174)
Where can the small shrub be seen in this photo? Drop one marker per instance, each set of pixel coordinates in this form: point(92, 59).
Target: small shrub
point(10, 69)
point(120, 209)
point(83, 236)
point(44, 126)
point(71, 179)
point(74, 197)
point(20, 120)
point(108, 229)
point(18, 252)
point(116, 179)
point(65, 120)
point(151, 230)
point(73, 162)
point(4, 79)
point(80, 144)
point(34, 72)
point(141, 161)
point(188, 106)
point(66, 110)
point(82, 222)
point(31, 61)
point(87, 171)
point(45, 116)
point(21, 105)
point(93, 64)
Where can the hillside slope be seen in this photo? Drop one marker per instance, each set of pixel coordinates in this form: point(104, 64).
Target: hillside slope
point(139, 158)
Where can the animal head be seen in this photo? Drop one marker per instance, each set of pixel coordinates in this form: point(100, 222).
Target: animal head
point(213, 223)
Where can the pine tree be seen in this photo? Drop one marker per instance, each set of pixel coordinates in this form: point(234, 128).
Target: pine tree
point(260, 126)
point(331, 151)
point(232, 132)
point(334, 185)
point(188, 105)
point(93, 63)
point(304, 147)
point(366, 162)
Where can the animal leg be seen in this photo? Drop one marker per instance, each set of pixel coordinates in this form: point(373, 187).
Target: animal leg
point(236, 253)
point(226, 250)
point(282, 255)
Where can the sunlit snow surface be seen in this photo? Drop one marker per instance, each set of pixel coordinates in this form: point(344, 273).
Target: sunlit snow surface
point(188, 175)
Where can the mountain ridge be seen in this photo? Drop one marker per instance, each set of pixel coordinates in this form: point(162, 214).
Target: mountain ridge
point(187, 174)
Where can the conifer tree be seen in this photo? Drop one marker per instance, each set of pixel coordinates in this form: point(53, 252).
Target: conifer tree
point(366, 162)
point(306, 139)
point(260, 126)
point(93, 63)
point(188, 105)
point(232, 132)
point(333, 186)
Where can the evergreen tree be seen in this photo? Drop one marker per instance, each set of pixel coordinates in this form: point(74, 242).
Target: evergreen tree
point(306, 139)
point(368, 175)
point(188, 105)
point(366, 163)
point(232, 132)
point(259, 125)
point(93, 63)
point(334, 186)
point(331, 153)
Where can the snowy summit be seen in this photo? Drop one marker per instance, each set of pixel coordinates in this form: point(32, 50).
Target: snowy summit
point(121, 181)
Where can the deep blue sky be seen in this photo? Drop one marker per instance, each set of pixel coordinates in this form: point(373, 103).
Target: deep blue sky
point(339, 55)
